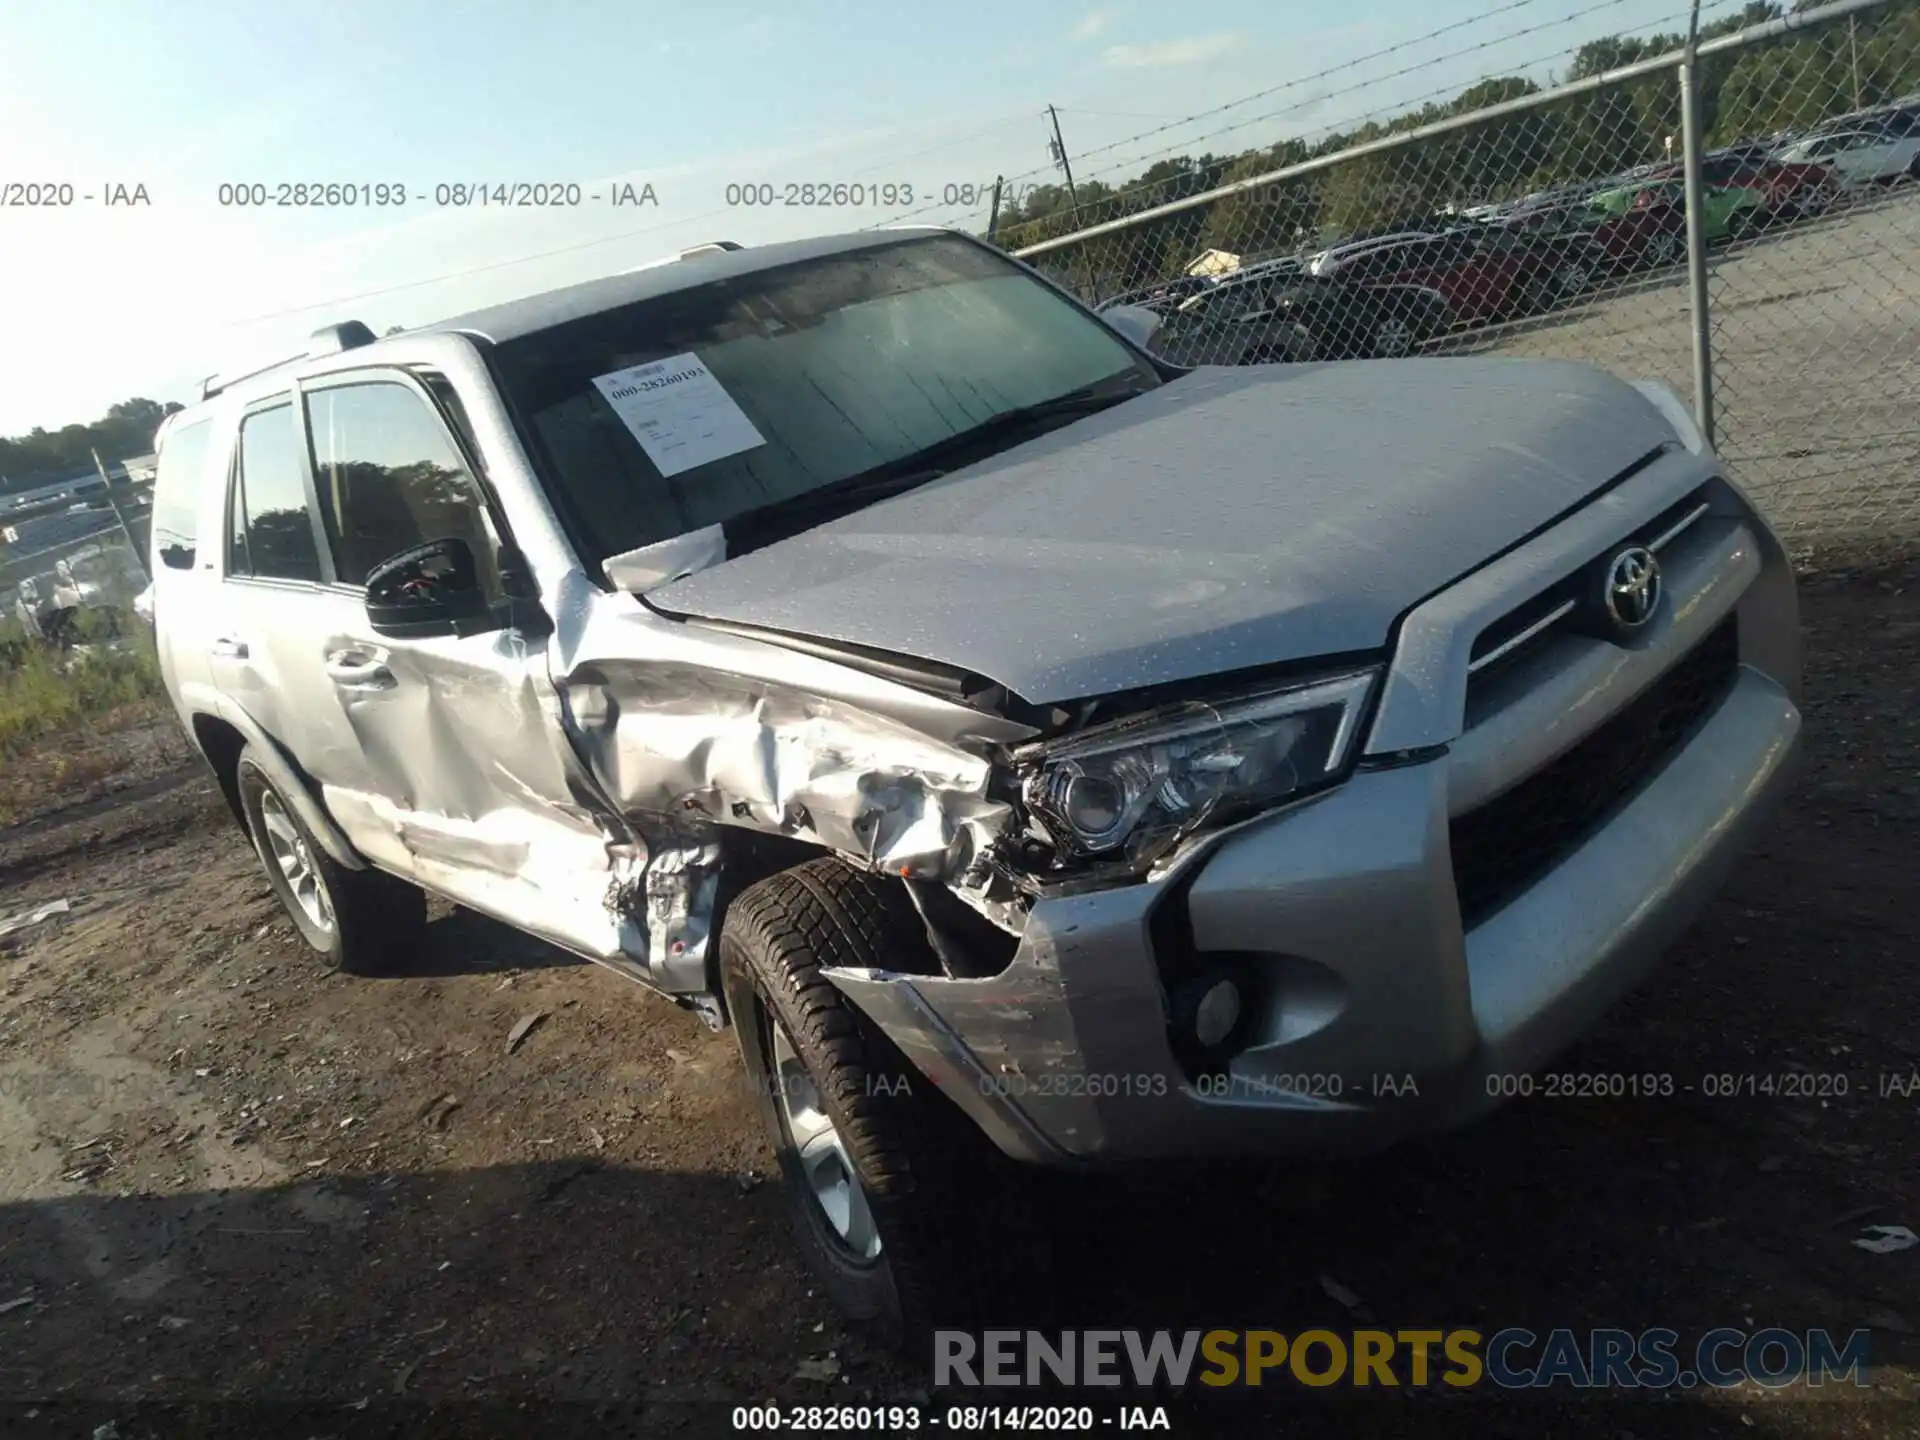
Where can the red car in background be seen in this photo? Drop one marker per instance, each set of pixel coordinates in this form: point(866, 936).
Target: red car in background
point(1486, 272)
point(1787, 191)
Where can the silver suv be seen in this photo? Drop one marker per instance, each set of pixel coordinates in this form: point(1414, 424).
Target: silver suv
point(1036, 751)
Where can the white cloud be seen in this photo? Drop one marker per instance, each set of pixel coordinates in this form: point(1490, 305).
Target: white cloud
point(1093, 23)
point(1194, 50)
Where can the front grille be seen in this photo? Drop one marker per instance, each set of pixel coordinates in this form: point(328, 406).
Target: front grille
point(1500, 644)
point(1505, 845)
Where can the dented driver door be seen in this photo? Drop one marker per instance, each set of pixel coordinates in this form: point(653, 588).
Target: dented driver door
point(471, 789)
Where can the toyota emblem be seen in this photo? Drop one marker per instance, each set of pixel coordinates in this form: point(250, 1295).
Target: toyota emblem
point(1632, 588)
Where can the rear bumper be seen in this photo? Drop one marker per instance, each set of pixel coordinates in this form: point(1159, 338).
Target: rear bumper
point(1374, 1013)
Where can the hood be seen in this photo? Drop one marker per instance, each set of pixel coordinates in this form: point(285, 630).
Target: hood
point(1229, 519)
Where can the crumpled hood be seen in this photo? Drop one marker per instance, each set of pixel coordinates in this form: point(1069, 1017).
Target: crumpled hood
point(1231, 518)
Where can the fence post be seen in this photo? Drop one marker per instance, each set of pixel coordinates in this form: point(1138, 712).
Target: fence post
point(126, 531)
point(1699, 312)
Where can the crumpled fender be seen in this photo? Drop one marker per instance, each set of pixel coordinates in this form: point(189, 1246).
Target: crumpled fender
point(287, 781)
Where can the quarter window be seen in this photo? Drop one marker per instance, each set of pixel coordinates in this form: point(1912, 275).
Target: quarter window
point(177, 493)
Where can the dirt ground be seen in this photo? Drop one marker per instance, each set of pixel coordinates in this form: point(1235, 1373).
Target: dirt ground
point(305, 1205)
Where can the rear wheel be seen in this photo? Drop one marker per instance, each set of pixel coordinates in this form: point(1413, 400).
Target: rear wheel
point(1574, 280)
point(1665, 249)
point(357, 921)
point(1393, 338)
point(1739, 225)
point(912, 1220)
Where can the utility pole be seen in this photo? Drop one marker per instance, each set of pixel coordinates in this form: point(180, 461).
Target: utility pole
point(993, 215)
point(1059, 148)
point(1853, 45)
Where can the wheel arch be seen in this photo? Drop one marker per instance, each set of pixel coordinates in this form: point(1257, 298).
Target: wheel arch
point(222, 738)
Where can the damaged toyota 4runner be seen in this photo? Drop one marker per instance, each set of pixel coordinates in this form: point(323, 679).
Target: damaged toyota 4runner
point(1036, 751)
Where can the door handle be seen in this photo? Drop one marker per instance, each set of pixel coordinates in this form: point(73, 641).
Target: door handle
point(359, 670)
point(228, 648)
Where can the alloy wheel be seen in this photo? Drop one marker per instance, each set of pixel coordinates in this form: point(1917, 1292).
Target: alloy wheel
point(1392, 339)
point(288, 851)
point(831, 1179)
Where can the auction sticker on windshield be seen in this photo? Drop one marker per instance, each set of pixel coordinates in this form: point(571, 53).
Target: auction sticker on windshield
point(681, 415)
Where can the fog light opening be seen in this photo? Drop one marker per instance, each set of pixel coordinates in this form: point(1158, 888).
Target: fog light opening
point(1217, 1014)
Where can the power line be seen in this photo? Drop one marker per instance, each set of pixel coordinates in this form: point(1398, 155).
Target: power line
point(1301, 80)
point(1398, 107)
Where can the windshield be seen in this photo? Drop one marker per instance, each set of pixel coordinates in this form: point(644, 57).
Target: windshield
point(694, 408)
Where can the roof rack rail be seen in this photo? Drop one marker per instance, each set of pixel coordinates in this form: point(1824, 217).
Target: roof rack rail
point(710, 248)
point(327, 340)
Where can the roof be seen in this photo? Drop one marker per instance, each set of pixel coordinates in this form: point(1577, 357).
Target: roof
point(508, 321)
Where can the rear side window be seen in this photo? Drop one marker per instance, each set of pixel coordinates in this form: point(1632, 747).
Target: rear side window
point(272, 527)
point(389, 477)
point(177, 490)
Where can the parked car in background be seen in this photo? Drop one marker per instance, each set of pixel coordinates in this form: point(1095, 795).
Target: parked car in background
point(1657, 208)
point(1486, 272)
point(1164, 297)
point(1787, 189)
point(1329, 261)
point(1270, 319)
point(1235, 323)
point(1860, 158)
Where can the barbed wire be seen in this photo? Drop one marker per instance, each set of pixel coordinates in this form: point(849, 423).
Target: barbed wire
point(1393, 110)
point(1302, 80)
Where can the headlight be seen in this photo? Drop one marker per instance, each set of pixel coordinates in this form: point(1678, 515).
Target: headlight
point(1132, 789)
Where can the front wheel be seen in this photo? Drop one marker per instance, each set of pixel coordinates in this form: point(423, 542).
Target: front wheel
point(357, 921)
point(911, 1219)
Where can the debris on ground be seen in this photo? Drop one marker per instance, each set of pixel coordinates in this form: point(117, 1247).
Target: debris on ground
point(20, 1303)
point(522, 1028)
point(825, 1369)
point(1342, 1296)
point(1887, 1239)
point(39, 915)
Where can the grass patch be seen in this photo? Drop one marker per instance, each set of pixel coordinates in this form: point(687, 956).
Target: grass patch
point(45, 692)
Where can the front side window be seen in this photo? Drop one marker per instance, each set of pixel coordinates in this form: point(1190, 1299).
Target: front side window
point(272, 527)
point(694, 408)
point(177, 493)
point(389, 477)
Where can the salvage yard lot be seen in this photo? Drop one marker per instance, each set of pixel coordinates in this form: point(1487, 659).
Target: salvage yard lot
point(226, 1176)
point(1816, 359)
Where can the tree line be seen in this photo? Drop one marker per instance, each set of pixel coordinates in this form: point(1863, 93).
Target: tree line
point(1750, 93)
point(42, 456)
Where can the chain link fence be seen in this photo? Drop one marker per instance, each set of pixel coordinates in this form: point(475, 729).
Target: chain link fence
point(1777, 286)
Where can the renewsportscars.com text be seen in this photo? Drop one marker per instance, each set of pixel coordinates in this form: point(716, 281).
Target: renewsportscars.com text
point(1512, 1358)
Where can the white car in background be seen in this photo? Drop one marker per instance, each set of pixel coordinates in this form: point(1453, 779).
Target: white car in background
point(1329, 261)
point(1859, 157)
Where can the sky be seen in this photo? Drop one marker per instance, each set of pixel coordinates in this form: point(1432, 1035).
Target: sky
point(100, 302)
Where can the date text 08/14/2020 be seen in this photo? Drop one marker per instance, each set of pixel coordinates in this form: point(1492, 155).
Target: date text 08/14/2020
point(898, 1419)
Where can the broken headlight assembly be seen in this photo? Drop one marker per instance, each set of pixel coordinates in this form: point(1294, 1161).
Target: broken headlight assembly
point(1131, 790)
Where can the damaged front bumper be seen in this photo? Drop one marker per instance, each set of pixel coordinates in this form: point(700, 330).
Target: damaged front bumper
point(1372, 1012)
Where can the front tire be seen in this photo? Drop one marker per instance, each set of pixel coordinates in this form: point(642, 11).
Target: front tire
point(911, 1219)
point(359, 922)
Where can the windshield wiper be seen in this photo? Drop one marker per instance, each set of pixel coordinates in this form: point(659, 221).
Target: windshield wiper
point(765, 523)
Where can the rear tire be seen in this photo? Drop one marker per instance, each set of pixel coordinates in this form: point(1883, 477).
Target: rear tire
point(359, 922)
point(929, 1231)
point(1394, 338)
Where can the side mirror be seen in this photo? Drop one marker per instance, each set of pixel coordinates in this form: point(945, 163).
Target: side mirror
point(432, 589)
point(1135, 322)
